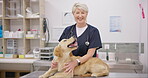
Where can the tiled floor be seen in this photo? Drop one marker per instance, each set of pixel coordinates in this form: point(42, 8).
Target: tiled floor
point(111, 75)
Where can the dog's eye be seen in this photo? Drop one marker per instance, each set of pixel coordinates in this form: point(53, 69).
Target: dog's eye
point(64, 40)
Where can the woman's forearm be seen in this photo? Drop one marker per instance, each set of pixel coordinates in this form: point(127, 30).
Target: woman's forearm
point(89, 54)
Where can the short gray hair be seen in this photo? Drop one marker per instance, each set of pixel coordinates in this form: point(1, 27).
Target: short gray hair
point(79, 6)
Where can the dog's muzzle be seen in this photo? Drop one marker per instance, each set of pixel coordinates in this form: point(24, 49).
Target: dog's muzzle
point(73, 44)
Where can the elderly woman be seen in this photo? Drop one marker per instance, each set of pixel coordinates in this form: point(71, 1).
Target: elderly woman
point(88, 37)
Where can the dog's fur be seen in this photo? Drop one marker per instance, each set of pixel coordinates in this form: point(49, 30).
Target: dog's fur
point(63, 54)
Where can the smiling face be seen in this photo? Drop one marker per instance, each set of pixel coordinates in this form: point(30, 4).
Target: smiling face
point(80, 16)
point(68, 45)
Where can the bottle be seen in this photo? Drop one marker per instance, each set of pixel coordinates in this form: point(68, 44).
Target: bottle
point(107, 56)
point(1, 31)
point(1, 50)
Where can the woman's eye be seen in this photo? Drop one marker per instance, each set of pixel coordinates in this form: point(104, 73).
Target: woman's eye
point(77, 12)
point(83, 13)
point(64, 40)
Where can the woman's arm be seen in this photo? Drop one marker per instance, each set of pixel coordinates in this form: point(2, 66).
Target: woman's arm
point(53, 64)
point(71, 65)
point(89, 54)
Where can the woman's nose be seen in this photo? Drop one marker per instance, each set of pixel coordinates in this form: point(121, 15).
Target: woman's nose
point(80, 15)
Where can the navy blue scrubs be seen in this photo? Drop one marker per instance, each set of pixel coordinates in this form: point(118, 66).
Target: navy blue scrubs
point(91, 34)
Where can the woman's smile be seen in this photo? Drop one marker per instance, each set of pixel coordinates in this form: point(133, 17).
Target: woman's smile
point(80, 16)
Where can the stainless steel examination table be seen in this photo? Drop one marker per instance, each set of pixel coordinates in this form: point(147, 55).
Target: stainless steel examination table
point(117, 70)
point(36, 74)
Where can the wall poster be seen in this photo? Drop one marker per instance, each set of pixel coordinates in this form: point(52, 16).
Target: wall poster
point(115, 23)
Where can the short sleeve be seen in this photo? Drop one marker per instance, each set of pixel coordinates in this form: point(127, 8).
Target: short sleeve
point(63, 36)
point(95, 40)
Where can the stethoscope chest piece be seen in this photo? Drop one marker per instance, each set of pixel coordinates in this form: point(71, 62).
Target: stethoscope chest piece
point(87, 43)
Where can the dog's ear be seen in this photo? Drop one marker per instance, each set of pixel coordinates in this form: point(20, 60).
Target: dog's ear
point(58, 51)
point(71, 54)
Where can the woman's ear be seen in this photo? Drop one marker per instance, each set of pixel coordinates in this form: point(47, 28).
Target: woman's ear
point(58, 51)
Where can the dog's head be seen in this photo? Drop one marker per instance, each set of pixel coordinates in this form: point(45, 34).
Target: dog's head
point(65, 46)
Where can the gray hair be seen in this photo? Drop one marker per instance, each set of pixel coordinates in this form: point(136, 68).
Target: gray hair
point(79, 6)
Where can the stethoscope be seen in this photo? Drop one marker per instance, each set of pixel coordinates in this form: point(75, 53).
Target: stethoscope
point(71, 34)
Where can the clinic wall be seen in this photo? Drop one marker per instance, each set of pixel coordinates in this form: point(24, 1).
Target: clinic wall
point(133, 28)
point(144, 36)
point(99, 13)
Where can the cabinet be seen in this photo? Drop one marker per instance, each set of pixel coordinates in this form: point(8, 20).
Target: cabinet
point(22, 26)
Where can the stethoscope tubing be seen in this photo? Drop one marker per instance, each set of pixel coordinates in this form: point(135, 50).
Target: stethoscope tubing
point(71, 34)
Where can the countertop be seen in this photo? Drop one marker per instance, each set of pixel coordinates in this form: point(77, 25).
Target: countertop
point(16, 64)
point(4, 60)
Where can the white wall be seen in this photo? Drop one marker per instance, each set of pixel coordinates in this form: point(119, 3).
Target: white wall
point(99, 12)
point(133, 28)
point(144, 36)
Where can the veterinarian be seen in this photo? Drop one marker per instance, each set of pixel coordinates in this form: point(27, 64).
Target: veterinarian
point(88, 37)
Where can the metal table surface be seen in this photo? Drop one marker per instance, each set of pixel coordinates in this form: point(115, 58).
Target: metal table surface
point(41, 63)
point(114, 66)
point(36, 74)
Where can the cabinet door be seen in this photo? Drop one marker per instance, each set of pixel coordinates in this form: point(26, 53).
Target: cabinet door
point(33, 25)
point(12, 12)
point(21, 18)
point(13, 8)
point(13, 37)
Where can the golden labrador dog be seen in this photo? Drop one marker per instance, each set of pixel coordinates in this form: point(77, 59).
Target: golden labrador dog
point(63, 54)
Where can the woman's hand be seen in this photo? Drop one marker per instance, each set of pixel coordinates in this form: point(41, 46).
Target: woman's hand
point(70, 66)
point(54, 64)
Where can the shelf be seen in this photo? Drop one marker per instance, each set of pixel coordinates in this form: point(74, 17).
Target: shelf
point(12, 38)
point(49, 53)
point(12, 1)
point(13, 17)
point(11, 21)
point(32, 38)
point(32, 17)
point(46, 57)
point(34, 1)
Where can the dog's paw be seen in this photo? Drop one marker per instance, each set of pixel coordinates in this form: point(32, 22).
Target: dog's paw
point(94, 75)
point(42, 76)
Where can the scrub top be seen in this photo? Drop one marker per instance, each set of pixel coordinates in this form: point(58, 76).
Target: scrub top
point(91, 34)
